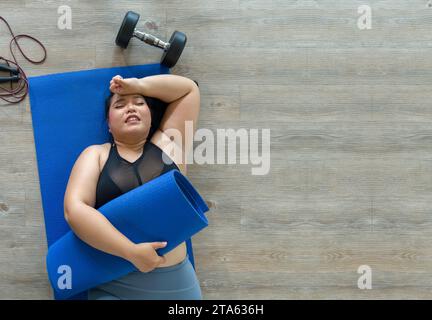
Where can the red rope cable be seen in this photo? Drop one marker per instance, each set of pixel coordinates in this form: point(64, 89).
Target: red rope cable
point(18, 94)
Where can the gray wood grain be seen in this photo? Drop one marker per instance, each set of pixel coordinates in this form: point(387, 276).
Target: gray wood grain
point(350, 140)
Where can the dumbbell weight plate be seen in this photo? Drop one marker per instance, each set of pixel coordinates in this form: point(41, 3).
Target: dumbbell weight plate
point(177, 44)
point(127, 28)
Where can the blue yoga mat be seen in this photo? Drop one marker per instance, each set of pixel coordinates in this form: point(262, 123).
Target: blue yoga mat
point(68, 115)
point(167, 208)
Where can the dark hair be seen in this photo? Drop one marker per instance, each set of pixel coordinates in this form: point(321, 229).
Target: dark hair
point(108, 104)
point(157, 109)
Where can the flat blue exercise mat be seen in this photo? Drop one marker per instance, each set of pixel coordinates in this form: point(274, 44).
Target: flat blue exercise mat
point(68, 115)
point(167, 208)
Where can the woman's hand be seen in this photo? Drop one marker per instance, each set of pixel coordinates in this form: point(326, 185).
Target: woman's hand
point(125, 86)
point(144, 257)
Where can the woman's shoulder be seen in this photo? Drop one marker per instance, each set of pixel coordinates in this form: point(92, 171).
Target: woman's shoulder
point(99, 148)
point(102, 151)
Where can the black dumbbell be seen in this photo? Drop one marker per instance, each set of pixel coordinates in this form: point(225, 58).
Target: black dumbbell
point(172, 50)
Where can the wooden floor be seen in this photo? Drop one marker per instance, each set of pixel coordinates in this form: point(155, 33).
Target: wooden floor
point(351, 140)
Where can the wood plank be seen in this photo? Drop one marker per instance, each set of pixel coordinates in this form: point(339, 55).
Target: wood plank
point(349, 182)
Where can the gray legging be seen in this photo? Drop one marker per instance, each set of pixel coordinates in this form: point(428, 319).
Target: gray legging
point(177, 282)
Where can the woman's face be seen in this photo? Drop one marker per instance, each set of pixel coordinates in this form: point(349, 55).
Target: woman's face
point(129, 117)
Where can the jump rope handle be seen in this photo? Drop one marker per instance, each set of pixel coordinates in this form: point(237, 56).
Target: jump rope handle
point(11, 78)
point(18, 92)
point(5, 67)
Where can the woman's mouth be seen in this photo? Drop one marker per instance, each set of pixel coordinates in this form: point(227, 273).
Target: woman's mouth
point(132, 119)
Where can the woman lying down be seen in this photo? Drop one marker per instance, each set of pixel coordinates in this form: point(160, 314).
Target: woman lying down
point(135, 156)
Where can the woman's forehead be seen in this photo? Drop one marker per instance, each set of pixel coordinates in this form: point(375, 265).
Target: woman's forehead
point(118, 97)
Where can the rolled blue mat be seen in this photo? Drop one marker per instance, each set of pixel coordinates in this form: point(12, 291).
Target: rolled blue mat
point(167, 208)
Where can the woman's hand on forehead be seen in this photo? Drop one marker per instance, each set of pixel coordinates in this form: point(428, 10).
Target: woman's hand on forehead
point(126, 86)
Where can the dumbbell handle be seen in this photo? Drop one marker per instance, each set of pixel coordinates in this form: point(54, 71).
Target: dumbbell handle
point(151, 40)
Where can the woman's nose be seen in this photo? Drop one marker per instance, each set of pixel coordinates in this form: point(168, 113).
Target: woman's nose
point(130, 107)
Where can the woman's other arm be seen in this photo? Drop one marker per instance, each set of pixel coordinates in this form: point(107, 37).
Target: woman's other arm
point(166, 87)
point(88, 223)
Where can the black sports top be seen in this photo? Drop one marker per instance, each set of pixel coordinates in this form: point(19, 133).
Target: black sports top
point(119, 176)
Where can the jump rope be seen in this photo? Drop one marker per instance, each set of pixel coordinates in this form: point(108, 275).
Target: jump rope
point(16, 73)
